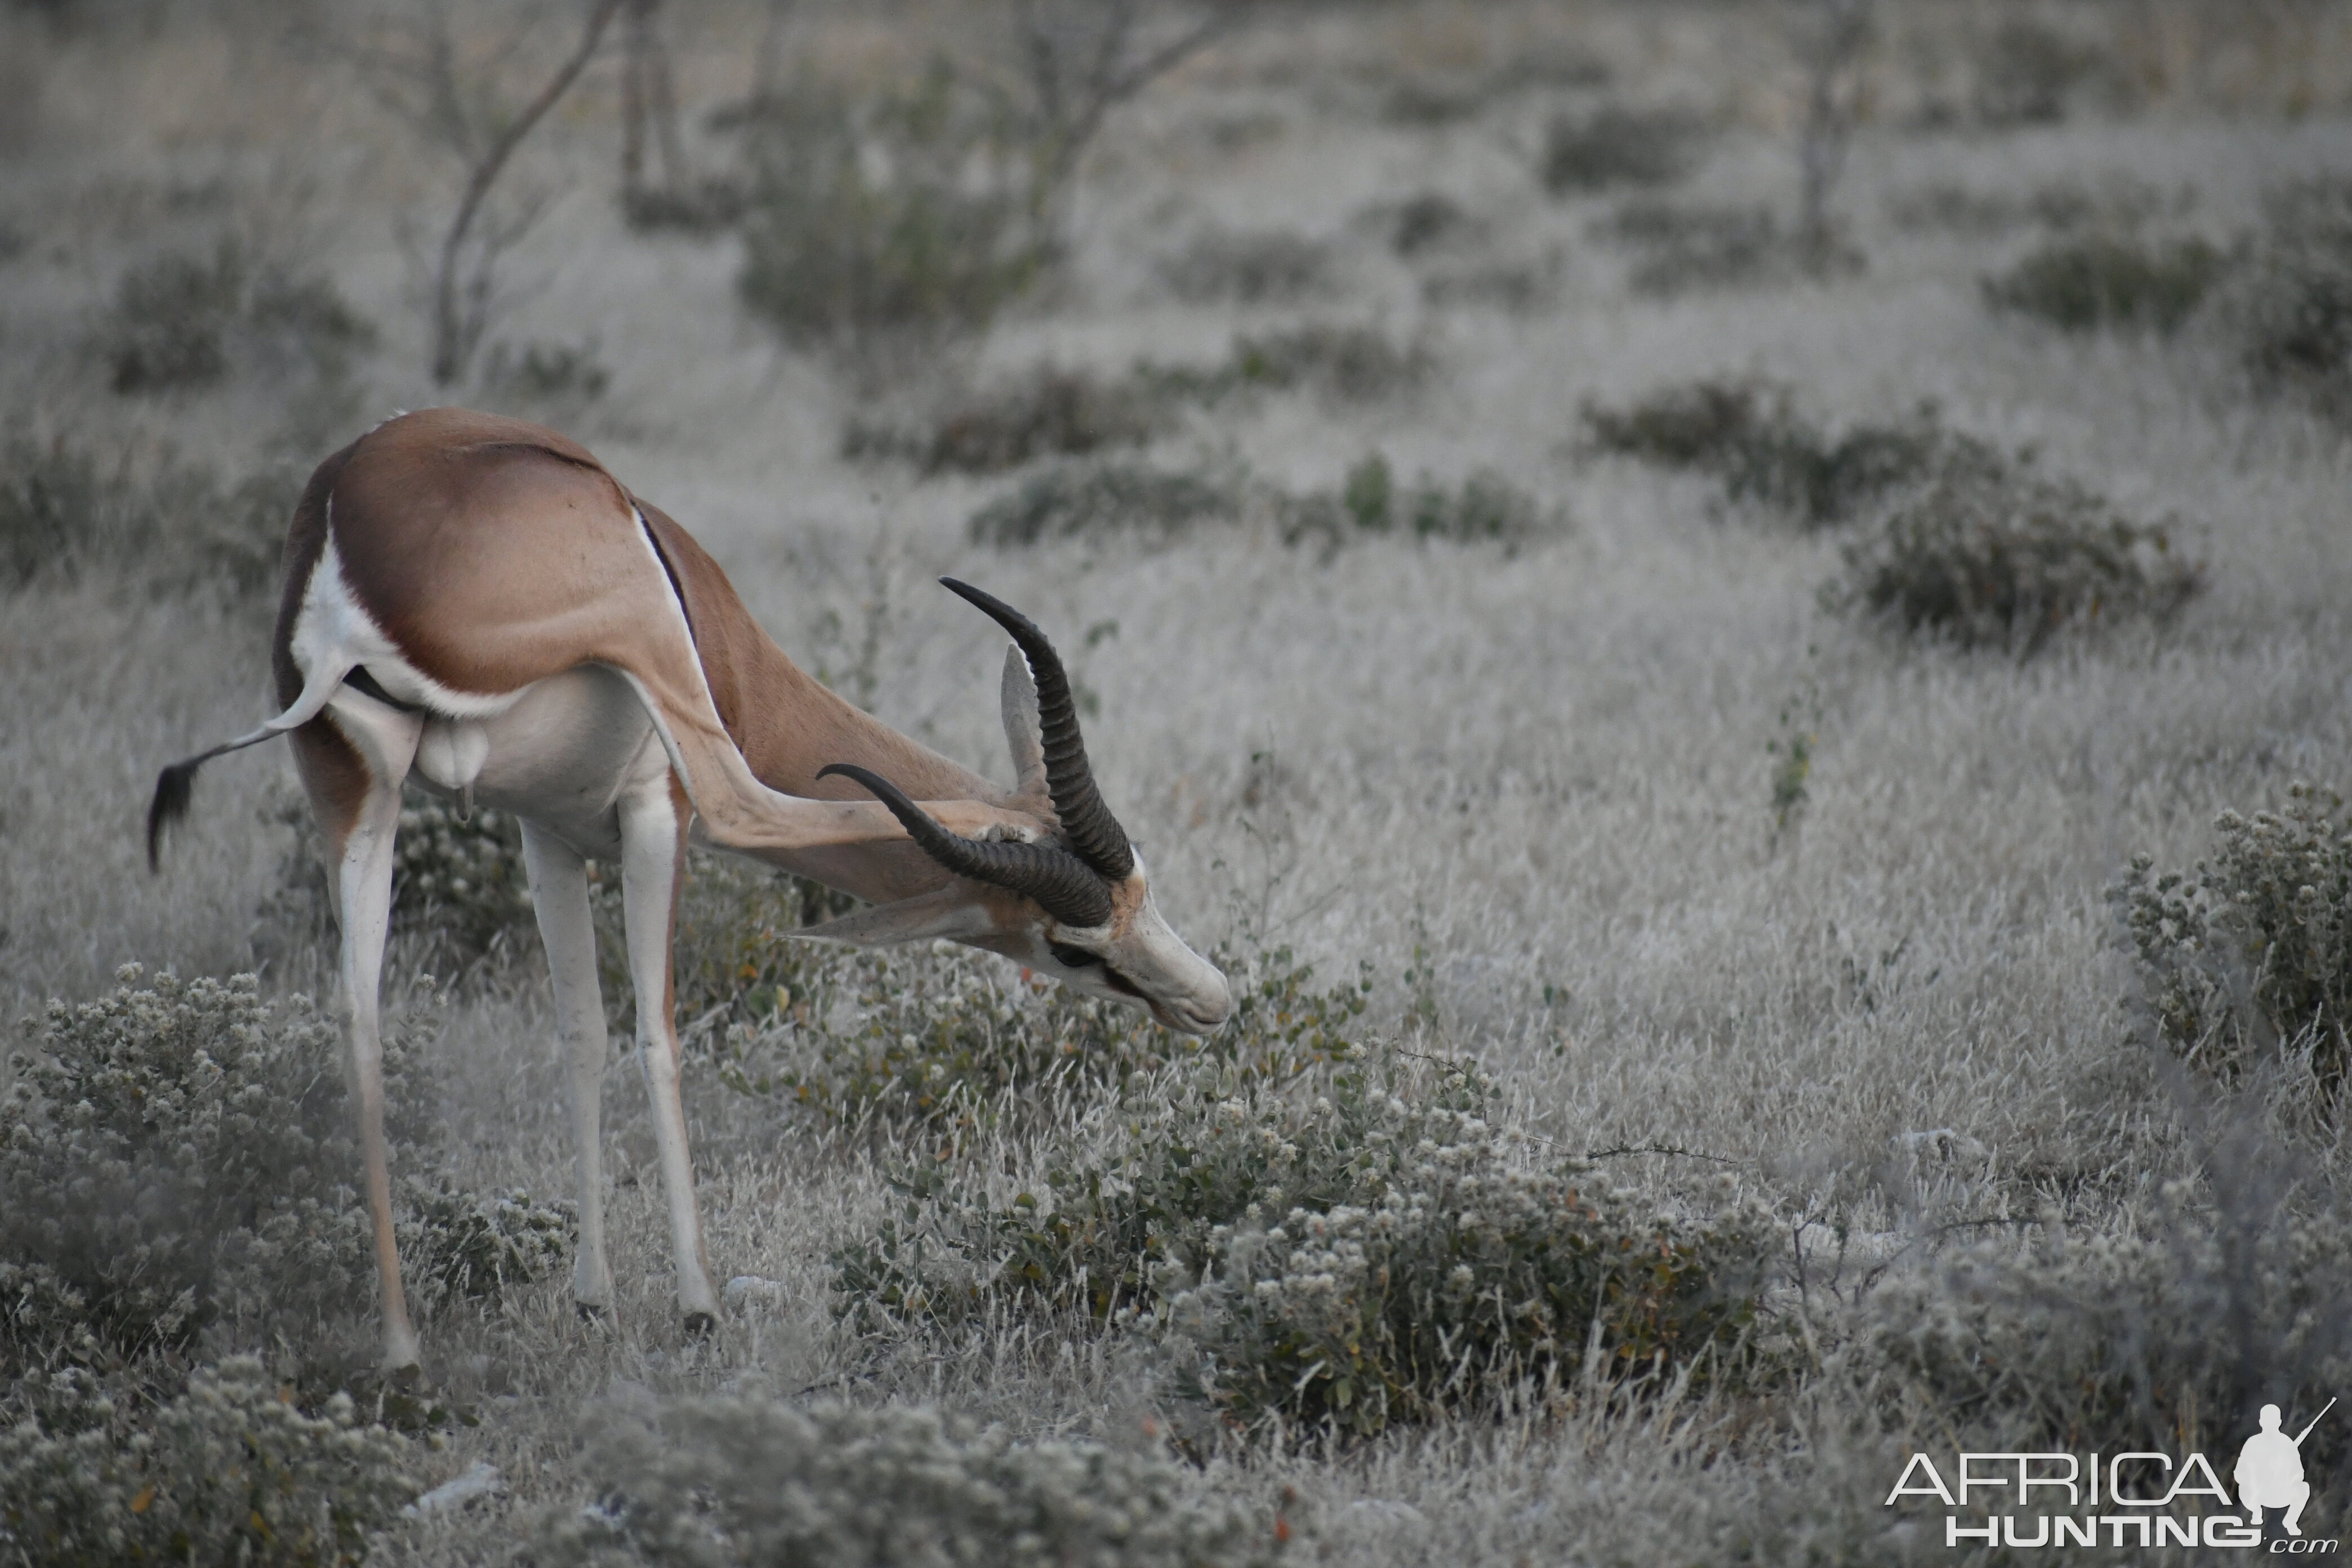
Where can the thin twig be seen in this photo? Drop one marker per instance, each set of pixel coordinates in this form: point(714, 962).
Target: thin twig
point(448, 353)
point(1660, 1149)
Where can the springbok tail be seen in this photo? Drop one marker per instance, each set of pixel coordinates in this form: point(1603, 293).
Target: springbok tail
point(175, 786)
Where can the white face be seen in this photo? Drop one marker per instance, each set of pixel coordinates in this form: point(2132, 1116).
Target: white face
point(1133, 958)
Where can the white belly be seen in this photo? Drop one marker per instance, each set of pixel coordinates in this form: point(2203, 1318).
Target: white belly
point(561, 753)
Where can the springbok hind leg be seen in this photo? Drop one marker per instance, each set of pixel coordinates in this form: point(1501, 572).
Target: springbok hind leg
point(352, 763)
point(559, 891)
point(363, 900)
point(652, 861)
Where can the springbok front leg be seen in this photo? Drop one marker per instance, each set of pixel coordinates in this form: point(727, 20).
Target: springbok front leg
point(652, 861)
point(359, 807)
point(559, 891)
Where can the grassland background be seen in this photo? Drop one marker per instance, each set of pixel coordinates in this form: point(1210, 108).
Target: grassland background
point(1549, 768)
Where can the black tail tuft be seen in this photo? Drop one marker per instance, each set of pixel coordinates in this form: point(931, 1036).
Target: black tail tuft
point(172, 789)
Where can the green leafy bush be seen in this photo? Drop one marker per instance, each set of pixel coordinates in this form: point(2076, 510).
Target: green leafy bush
point(1075, 500)
point(1354, 1246)
point(182, 1154)
point(1484, 508)
point(698, 1483)
point(2291, 308)
point(2252, 947)
point(2108, 282)
point(1048, 412)
point(1253, 269)
point(900, 220)
point(1748, 436)
point(1991, 555)
point(180, 321)
point(229, 1471)
point(1617, 146)
point(141, 512)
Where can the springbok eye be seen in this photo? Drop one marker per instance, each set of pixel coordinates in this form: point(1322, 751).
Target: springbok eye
point(1070, 957)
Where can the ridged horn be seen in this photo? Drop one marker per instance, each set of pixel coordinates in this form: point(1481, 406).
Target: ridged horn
point(1087, 822)
point(1060, 882)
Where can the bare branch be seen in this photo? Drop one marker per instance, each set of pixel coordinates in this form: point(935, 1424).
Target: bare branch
point(453, 344)
point(1073, 98)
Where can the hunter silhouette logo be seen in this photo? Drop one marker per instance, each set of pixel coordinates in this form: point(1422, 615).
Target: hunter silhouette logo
point(2270, 1471)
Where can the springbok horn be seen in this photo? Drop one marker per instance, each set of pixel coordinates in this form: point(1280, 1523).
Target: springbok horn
point(1087, 822)
point(1060, 882)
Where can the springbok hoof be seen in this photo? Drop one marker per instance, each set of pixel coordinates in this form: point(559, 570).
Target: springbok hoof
point(593, 1311)
point(700, 1325)
point(408, 1377)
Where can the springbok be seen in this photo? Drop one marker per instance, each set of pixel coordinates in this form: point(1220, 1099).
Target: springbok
point(476, 602)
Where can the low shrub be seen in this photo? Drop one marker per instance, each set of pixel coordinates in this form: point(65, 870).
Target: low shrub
point(1682, 250)
point(1517, 287)
point(1484, 507)
point(459, 888)
point(1617, 146)
point(565, 377)
point(1094, 499)
point(1996, 556)
point(733, 962)
point(1748, 436)
point(180, 321)
point(229, 1471)
point(1344, 365)
point(2027, 72)
point(700, 208)
point(697, 1483)
point(2290, 311)
point(1349, 1248)
point(1246, 268)
point(460, 877)
point(896, 221)
point(2186, 1325)
point(2118, 204)
point(143, 513)
point(947, 1039)
point(2252, 948)
point(180, 1154)
point(1428, 102)
point(1046, 412)
point(1428, 221)
point(2108, 282)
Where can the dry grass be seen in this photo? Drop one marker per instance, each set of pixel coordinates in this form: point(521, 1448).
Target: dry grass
point(1546, 773)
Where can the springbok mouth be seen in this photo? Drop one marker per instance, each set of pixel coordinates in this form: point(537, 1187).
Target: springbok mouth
point(1183, 1020)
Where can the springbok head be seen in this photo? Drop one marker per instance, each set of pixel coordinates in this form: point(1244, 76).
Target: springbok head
point(1079, 909)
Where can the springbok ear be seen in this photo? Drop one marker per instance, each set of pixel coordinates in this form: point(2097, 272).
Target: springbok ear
point(1022, 731)
point(944, 912)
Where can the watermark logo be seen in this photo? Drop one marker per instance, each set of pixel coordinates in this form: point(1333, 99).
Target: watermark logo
point(2270, 1471)
point(2136, 1499)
